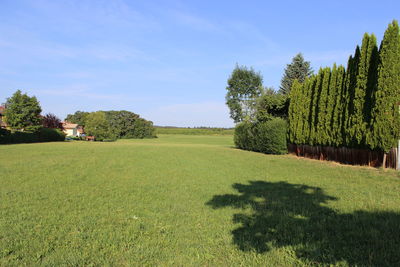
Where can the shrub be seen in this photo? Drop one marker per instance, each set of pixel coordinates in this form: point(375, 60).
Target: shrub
point(50, 134)
point(270, 136)
point(267, 137)
point(243, 136)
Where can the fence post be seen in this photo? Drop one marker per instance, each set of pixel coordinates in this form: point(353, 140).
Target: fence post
point(398, 147)
point(398, 156)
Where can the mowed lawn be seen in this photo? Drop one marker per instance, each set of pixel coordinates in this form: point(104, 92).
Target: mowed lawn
point(189, 201)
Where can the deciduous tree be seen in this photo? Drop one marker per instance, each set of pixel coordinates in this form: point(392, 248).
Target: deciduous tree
point(23, 112)
point(244, 87)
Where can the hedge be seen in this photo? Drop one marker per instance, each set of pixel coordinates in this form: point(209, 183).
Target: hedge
point(42, 135)
point(268, 137)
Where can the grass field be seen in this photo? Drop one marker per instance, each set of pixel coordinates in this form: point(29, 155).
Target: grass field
point(191, 201)
point(194, 131)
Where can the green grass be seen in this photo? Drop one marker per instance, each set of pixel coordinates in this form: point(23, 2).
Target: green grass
point(191, 201)
point(194, 131)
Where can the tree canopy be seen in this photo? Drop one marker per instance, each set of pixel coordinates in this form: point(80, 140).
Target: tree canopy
point(271, 104)
point(23, 112)
point(78, 117)
point(298, 69)
point(244, 87)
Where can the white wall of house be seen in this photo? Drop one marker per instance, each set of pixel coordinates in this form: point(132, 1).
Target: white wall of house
point(71, 132)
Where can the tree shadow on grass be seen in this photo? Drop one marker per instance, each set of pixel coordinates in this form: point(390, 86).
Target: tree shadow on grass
point(283, 214)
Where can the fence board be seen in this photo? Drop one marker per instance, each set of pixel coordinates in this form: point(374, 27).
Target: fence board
point(352, 156)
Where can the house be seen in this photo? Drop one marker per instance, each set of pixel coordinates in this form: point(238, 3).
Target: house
point(2, 122)
point(73, 129)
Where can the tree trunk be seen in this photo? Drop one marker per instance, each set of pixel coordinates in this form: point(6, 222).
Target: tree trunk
point(384, 160)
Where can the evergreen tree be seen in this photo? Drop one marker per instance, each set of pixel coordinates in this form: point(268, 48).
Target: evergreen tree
point(330, 106)
point(358, 121)
point(294, 112)
point(350, 85)
point(371, 85)
point(316, 90)
point(337, 138)
point(385, 114)
point(322, 135)
point(308, 96)
point(298, 70)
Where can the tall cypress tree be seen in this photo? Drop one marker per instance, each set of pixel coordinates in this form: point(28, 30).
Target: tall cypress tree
point(350, 83)
point(385, 114)
point(371, 86)
point(294, 112)
point(337, 138)
point(330, 105)
point(322, 135)
point(309, 93)
point(316, 91)
point(358, 121)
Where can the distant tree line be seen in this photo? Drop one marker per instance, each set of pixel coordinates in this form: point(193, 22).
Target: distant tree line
point(357, 106)
point(113, 124)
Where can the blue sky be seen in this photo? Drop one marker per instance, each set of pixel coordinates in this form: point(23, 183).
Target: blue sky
point(169, 60)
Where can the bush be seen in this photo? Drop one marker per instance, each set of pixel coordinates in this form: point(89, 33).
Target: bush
point(50, 134)
point(271, 136)
point(42, 135)
point(243, 136)
point(267, 137)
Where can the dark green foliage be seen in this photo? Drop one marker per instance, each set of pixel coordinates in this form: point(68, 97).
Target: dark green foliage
point(23, 112)
point(295, 113)
point(298, 70)
point(267, 137)
point(271, 136)
point(351, 84)
point(142, 129)
point(41, 135)
point(271, 104)
point(330, 105)
point(337, 115)
point(321, 134)
point(78, 117)
point(385, 114)
point(314, 108)
point(122, 123)
point(358, 121)
point(244, 136)
point(244, 87)
point(50, 134)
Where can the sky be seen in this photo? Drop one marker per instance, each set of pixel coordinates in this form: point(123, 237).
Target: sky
point(169, 61)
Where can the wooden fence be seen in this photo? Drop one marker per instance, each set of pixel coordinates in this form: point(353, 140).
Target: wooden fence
point(345, 155)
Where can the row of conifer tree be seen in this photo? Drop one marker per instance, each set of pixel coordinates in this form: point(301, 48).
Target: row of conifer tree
point(357, 106)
